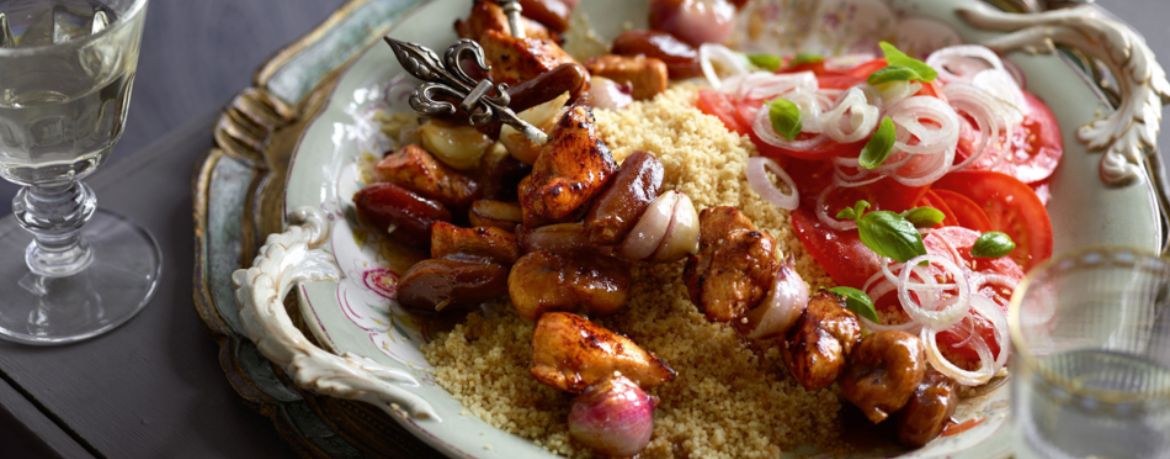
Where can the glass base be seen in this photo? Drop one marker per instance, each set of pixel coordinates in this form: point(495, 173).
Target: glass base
point(117, 284)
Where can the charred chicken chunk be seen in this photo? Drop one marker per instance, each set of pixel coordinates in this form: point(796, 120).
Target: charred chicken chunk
point(487, 15)
point(544, 281)
point(413, 168)
point(496, 244)
point(396, 210)
point(647, 76)
point(571, 353)
point(883, 373)
point(453, 283)
point(929, 410)
point(816, 348)
point(514, 60)
point(735, 267)
point(573, 167)
point(615, 212)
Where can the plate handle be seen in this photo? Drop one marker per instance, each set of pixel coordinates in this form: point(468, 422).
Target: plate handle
point(285, 260)
point(1127, 137)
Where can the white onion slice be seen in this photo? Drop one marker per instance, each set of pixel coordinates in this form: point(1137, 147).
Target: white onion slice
point(962, 62)
point(829, 220)
point(991, 311)
point(937, 360)
point(1000, 85)
point(989, 114)
point(953, 309)
point(851, 119)
point(714, 58)
point(766, 85)
point(935, 126)
point(760, 183)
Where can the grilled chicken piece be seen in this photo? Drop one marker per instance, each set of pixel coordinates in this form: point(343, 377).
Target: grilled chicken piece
point(487, 15)
point(514, 60)
point(494, 243)
point(735, 266)
point(817, 346)
point(497, 214)
point(544, 281)
point(647, 76)
point(571, 353)
point(883, 373)
point(394, 209)
point(615, 212)
point(453, 283)
point(573, 167)
point(929, 410)
point(413, 168)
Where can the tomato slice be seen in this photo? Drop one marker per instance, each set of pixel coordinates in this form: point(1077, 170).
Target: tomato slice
point(840, 79)
point(959, 240)
point(932, 199)
point(1033, 151)
point(1011, 206)
point(840, 253)
point(967, 213)
point(717, 104)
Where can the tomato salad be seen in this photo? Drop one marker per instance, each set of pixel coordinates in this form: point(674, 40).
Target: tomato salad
point(918, 186)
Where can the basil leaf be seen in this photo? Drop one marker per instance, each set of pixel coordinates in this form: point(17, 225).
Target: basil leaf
point(785, 117)
point(857, 301)
point(896, 58)
point(890, 235)
point(878, 148)
point(806, 58)
point(847, 214)
point(924, 217)
point(992, 244)
point(891, 74)
point(769, 62)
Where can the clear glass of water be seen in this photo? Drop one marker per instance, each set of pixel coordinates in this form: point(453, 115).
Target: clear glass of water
point(66, 70)
point(1092, 369)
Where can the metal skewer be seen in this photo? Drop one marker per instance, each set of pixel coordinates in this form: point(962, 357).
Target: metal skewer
point(446, 80)
point(453, 79)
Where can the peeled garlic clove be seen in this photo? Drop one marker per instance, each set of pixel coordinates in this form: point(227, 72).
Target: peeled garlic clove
point(648, 234)
point(682, 236)
point(614, 417)
point(779, 311)
point(543, 116)
point(457, 146)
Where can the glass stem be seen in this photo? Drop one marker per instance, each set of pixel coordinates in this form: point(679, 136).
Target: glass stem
point(55, 214)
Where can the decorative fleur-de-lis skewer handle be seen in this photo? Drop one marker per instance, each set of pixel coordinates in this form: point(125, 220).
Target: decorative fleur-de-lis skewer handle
point(447, 80)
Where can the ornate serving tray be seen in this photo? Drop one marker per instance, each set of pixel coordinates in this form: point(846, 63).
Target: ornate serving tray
point(336, 365)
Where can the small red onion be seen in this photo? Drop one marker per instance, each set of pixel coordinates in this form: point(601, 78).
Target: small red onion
point(608, 94)
point(694, 21)
point(614, 417)
point(651, 228)
point(781, 308)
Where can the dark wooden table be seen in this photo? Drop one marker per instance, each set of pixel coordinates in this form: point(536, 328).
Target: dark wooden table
point(153, 388)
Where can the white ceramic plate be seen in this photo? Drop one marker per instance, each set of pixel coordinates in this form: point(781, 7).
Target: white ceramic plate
point(350, 318)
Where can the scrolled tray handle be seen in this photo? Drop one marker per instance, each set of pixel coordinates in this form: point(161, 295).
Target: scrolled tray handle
point(1129, 132)
point(285, 260)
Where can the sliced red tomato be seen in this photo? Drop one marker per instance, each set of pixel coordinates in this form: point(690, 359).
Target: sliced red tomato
point(840, 253)
point(717, 104)
point(1033, 151)
point(959, 241)
point(967, 213)
point(932, 199)
point(1011, 206)
point(840, 79)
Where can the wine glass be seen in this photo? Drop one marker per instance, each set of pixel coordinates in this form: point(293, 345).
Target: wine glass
point(66, 70)
point(1092, 367)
